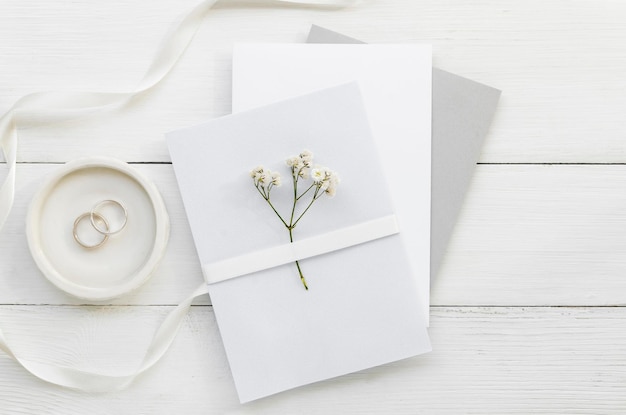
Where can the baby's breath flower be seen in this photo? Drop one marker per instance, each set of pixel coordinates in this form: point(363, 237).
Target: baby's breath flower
point(264, 178)
point(333, 182)
point(331, 191)
point(275, 176)
point(292, 161)
point(334, 178)
point(256, 171)
point(318, 174)
point(304, 173)
point(306, 156)
point(325, 181)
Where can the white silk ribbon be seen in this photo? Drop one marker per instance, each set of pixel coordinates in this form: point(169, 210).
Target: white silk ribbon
point(306, 248)
point(45, 107)
point(97, 382)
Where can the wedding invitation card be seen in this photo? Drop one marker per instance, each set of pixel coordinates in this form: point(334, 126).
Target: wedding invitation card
point(336, 293)
point(396, 86)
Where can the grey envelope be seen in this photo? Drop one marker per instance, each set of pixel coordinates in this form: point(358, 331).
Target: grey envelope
point(462, 111)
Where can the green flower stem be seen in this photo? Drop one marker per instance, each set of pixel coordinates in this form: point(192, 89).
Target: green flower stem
point(267, 199)
point(301, 276)
point(261, 190)
point(306, 287)
point(306, 191)
point(315, 197)
point(277, 214)
point(295, 176)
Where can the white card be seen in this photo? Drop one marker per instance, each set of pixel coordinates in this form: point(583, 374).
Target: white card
point(396, 84)
point(360, 310)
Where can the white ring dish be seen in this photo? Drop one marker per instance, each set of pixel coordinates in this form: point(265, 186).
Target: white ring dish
point(127, 260)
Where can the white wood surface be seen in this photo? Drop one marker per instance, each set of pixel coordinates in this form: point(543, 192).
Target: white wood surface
point(528, 312)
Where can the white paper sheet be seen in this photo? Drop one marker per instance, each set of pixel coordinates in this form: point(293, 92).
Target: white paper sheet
point(462, 113)
point(360, 310)
point(396, 85)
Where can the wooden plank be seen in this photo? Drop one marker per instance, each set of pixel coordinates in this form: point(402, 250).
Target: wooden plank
point(528, 235)
point(538, 235)
point(486, 360)
point(560, 65)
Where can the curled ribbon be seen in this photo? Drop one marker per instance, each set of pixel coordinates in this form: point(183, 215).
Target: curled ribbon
point(97, 382)
point(44, 107)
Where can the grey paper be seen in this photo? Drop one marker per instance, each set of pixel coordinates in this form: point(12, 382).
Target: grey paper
point(462, 111)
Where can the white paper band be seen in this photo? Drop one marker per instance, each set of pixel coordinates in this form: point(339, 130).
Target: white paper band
point(305, 248)
point(45, 107)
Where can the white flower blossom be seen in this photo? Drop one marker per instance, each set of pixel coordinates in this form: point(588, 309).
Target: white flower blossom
point(325, 179)
point(256, 171)
point(333, 182)
point(264, 178)
point(304, 172)
point(318, 174)
point(293, 161)
point(307, 157)
point(275, 176)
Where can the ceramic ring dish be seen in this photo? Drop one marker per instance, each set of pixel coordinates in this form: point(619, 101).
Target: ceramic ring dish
point(127, 259)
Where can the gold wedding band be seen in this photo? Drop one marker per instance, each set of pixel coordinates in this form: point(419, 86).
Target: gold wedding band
point(90, 215)
point(94, 213)
point(99, 223)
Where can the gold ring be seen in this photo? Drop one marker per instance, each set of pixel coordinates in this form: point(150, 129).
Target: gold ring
point(94, 213)
point(91, 215)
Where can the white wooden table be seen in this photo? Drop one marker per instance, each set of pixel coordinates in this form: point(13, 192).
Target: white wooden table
point(528, 311)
